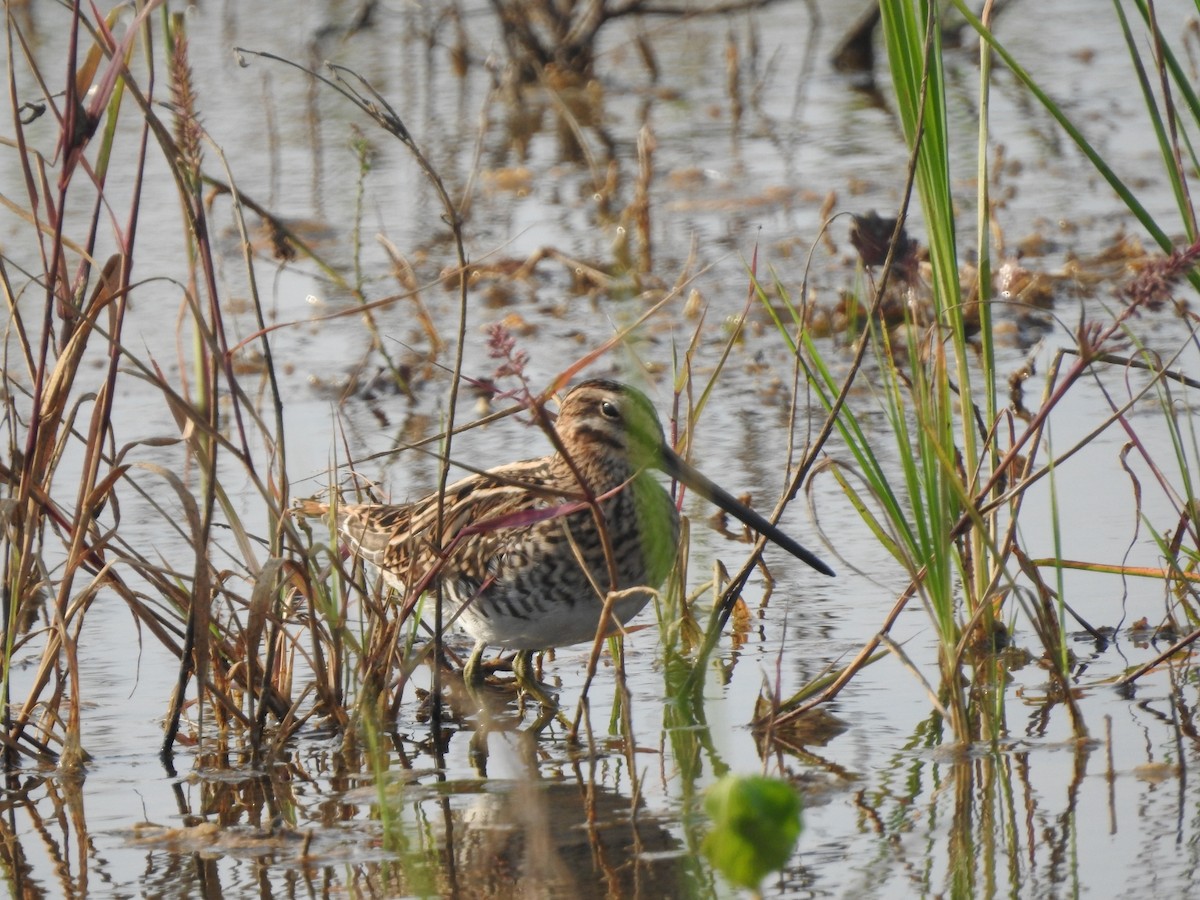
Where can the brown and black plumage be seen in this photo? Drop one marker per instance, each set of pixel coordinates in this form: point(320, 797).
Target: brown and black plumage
point(527, 560)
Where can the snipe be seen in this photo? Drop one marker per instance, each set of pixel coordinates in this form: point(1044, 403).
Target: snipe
point(532, 548)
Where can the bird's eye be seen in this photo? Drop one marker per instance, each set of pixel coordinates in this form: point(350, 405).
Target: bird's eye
point(609, 410)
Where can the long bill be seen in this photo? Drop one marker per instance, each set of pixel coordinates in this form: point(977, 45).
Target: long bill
point(674, 466)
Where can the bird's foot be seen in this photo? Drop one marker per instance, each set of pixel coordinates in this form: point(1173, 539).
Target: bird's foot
point(527, 681)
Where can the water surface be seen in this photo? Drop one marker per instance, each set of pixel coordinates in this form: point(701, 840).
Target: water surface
point(893, 807)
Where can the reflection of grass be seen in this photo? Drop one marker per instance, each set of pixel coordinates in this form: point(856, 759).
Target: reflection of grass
point(992, 816)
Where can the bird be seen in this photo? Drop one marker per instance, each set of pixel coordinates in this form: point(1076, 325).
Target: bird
point(529, 551)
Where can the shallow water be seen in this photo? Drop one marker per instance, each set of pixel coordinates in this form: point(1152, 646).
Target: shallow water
point(893, 809)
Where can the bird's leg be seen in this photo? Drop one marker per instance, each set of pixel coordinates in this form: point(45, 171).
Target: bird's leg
point(471, 671)
point(522, 665)
point(526, 681)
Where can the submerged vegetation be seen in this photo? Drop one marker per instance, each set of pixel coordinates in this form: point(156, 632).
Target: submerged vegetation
point(170, 484)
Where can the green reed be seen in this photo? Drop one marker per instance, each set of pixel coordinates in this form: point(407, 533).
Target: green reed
point(1162, 111)
point(943, 495)
point(942, 391)
point(1172, 111)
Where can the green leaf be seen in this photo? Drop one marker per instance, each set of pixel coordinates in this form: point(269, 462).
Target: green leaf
point(756, 822)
